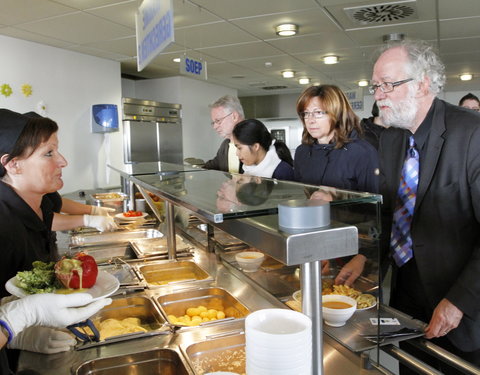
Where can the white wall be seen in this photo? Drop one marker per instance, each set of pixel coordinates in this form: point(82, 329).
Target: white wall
point(199, 138)
point(68, 83)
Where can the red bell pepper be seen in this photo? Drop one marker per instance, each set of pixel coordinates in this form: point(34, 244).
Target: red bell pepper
point(77, 272)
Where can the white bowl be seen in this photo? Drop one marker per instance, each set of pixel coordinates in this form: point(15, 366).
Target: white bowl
point(337, 317)
point(249, 261)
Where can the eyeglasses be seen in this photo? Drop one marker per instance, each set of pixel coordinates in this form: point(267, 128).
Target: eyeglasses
point(316, 114)
point(387, 86)
point(218, 121)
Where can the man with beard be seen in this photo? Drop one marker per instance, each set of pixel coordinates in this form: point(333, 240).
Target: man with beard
point(430, 182)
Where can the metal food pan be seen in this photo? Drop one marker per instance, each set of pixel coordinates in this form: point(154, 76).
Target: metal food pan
point(97, 239)
point(172, 272)
point(108, 254)
point(115, 200)
point(217, 354)
point(122, 271)
point(212, 298)
point(137, 306)
point(108, 197)
point(158, 361)
point(147, 247)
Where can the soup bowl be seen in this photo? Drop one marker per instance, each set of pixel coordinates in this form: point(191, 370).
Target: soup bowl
point(337, 309)
point(249, 261)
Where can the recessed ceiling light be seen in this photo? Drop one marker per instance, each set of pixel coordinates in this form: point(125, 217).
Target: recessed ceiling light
point(177, 59)
point(363, 83)
point(268, 64)
point(286, 29)
point(466, 76)
point(304, 81)
point(288, 74)
point(330, 59)
point(393, 37)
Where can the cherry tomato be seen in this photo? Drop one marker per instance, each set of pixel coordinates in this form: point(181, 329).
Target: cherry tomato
point(132, 213)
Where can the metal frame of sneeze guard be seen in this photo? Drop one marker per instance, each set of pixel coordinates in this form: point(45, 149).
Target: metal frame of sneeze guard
point(305, 248)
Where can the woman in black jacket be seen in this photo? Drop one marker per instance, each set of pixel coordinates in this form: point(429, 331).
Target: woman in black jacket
point(332, 152)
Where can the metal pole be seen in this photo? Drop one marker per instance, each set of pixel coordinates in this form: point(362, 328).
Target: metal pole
point(170, 221)
point(311, 282)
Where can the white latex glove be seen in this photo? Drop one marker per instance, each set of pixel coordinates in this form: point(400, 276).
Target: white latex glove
point(101, 223)
point(7, 299)
point(51, 310)
point(43, 340)
point(101, 211)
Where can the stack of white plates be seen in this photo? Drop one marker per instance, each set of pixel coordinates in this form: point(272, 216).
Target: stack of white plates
point(278, 341)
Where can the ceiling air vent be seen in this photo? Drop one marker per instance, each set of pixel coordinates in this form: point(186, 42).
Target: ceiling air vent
point(274, 87)
point(383, 13)
point(257, 83)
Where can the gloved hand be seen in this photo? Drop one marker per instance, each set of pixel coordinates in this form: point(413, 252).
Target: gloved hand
point(7, 299)
point(42, 340)
point(51, 310)
point(102, 223)
point(101, 211)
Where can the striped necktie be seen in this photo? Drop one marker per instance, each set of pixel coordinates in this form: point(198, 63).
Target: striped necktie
point(401, 239)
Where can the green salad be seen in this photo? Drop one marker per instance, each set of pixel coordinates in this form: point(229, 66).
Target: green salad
point(41, 279)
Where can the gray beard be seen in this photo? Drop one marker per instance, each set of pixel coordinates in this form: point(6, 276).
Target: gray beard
point(401, 115)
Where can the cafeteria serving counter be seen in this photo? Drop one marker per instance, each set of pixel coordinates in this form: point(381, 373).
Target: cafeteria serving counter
point(338, 360)
point(221, 205)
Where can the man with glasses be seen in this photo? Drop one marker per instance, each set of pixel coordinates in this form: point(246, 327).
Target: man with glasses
point(430, 166)
point(226, 112)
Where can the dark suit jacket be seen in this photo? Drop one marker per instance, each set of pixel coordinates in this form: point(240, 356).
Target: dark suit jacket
point(446, 222)
point(220, 161)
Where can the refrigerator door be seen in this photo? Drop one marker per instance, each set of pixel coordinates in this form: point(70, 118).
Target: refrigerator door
point(140, 141)
point(170, 142)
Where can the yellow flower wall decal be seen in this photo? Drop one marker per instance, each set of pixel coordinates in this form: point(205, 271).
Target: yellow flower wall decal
point(6, 90)
point(27, 90)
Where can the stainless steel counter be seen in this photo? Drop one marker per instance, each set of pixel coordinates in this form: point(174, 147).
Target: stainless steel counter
point(337, 360)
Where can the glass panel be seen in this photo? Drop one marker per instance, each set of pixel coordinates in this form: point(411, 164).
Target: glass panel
point(137, 169)
point(220, 195)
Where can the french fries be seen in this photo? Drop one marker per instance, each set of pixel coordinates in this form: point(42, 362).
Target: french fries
point(363, 300)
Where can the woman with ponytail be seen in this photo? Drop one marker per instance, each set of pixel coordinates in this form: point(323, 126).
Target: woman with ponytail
point(262, 155)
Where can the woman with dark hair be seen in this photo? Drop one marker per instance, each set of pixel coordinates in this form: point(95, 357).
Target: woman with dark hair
point(332, 152)
point(30, 168)
point(260, 154)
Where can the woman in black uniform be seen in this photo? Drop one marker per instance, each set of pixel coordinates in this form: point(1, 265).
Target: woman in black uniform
point(30, 167)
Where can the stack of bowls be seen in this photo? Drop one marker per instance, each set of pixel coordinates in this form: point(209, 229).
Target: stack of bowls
point(278, 341)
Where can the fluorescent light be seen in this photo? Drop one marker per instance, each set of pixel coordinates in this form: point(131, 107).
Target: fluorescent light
point(286, 29)
point(177, 59)
point(304, 81)
point(288, 74)
point(363, 83)
point(330, 59)
point(466, 76)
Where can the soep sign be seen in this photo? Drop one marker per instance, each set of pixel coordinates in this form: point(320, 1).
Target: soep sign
point(193, 68)
point(154, 25)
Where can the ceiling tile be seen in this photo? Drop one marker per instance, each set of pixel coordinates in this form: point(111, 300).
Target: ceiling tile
point(78, 28)
point(232, 9)
point(20, 11)
point(209, 35)
point(26, 35)
point(88, 4)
